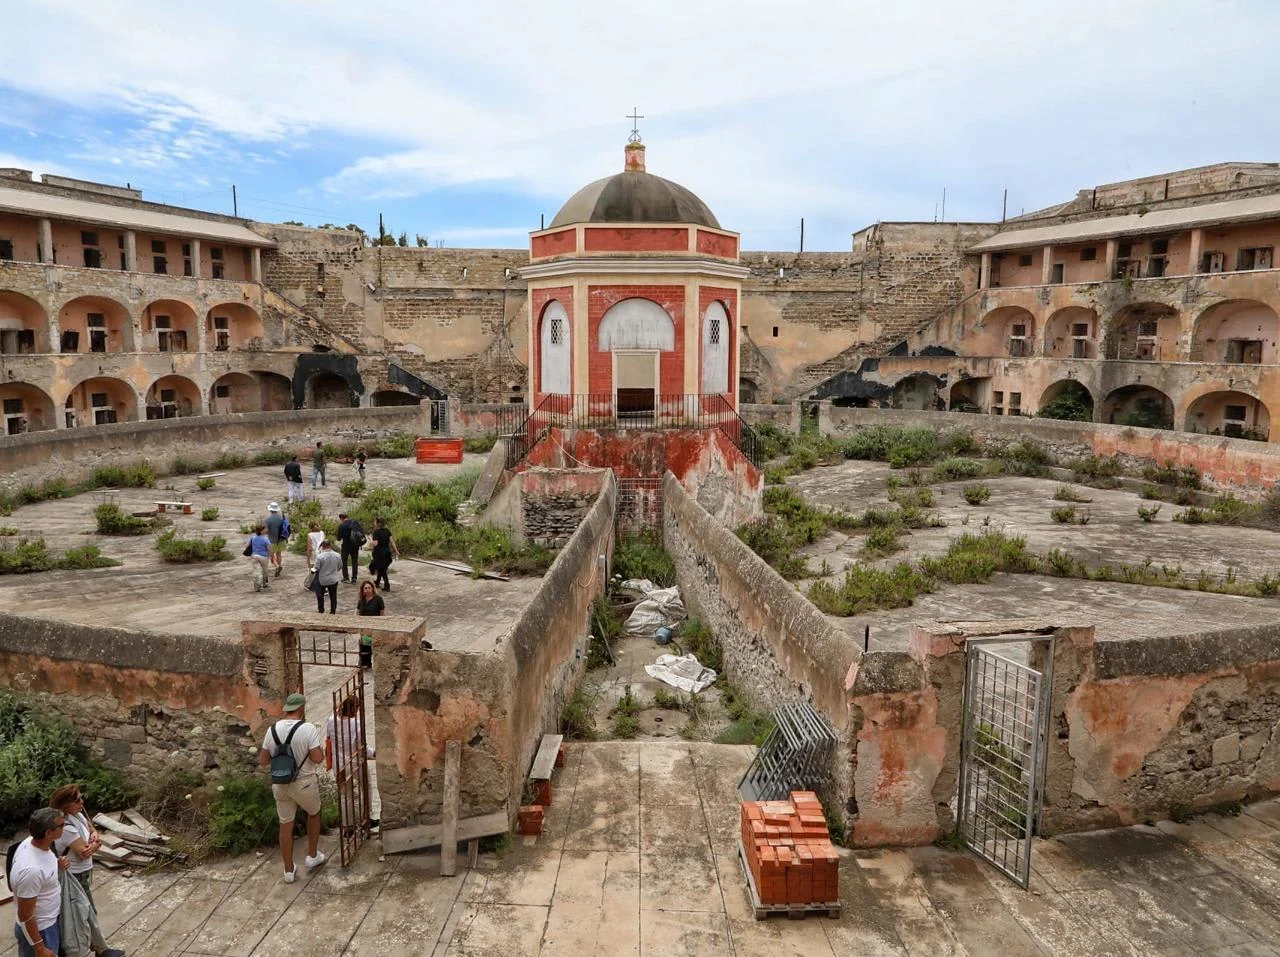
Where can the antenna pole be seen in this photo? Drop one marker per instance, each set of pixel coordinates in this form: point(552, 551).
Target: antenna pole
point(235, 207)
point(802, 234)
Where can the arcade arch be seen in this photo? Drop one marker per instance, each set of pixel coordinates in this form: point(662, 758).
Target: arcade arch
point(1236, 331)
point(1229, 413)
point(232, 325)
point(95, 324)
point(1143, 330)
point(100, 400)
point(24, 326)
point(1071, 333)
point(173, 396)
point(169, 325)
point(25, 408)
point(1138, 405)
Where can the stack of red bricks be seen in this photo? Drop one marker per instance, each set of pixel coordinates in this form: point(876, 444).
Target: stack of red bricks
point(789, 851)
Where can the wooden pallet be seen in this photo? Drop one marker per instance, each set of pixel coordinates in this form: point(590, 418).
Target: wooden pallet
point(794, 911)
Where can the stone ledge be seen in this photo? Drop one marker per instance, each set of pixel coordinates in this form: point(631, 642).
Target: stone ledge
point(118, 647)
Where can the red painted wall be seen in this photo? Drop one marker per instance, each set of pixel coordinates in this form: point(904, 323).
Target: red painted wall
point(713, 244)
point(632, 453)
point(554, 244)
point(632, 239)
point(729, 298)
point(600, 364)
point(564, 295)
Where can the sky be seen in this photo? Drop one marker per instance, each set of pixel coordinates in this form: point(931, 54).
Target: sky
point(467, 122)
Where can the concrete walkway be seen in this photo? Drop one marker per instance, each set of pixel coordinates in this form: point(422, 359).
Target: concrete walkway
point(638, 857)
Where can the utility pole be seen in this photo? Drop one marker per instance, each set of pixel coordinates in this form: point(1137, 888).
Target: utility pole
point(542, 220)
point(381, 230)
point(802, 234)
point(1004, 206)
point(235, 207)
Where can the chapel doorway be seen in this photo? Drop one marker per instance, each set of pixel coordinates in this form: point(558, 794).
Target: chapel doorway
point(635, 377)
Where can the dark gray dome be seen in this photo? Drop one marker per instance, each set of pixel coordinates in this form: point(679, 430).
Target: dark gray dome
point(634, 196)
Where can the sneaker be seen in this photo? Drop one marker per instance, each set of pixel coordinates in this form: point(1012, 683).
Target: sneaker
point(279, 569)
point(111, 952)
point(314, 861)
point(290, 877)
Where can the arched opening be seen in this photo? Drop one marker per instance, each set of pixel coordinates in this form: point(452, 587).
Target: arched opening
point(233, 325)
point(1067, 400)
point(716, 335)
point(100, 401)
point(169, 325)
point(1010, 331)
point(235, 392)
point(1138, 405)
point(95, 324)
point(1230, 413)
point(918, 392)
point(748, 391)
point(637, 324)
point(392, 397)
point(1071, 333)
point(971, 395)
point(172, 397)
point(24, 327)
point(554, 350)
point(26, 408)
point(1237, 331)
point(1143, 330)
point(327, 390)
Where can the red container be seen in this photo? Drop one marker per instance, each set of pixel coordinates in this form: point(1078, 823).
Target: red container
point(440, 451)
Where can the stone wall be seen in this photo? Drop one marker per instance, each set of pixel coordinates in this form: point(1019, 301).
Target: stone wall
point(144, 702)
point(1227, 462)
point(74, 453)
point(777, 647)
point(554, 502)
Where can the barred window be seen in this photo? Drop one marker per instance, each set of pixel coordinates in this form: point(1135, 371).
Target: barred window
point(557, 331)
point(713, 335)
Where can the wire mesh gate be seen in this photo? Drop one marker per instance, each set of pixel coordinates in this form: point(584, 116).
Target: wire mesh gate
point(1002, 751)
point(348, 740)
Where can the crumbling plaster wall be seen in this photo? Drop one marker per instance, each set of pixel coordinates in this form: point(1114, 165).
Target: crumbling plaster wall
point(545, 506)
point(776, 646)
point(144, 702)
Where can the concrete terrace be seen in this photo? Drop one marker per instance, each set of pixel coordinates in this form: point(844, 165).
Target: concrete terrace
point(212, 599)
point(638, 857)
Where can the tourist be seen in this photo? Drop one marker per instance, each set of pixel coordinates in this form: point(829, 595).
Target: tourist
point(293, 475)
point(315, 536)
point(343, 742)
point(317, 465)
point(259, 552)
point(361, 456)
point(293, 736)
point(327, 567)
point(78, 840)
point(384, 547)
point(350, 540)
point(369, 603)
point(33, 879)
point(276, 526)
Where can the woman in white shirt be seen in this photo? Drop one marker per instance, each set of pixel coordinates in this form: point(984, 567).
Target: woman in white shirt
point(314, 537)
point(344, 746)
point(78, 841)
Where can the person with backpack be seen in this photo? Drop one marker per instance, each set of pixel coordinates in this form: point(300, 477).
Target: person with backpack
point(351, 539)
point(294, 752)
point(278, 532)
point(293, 475)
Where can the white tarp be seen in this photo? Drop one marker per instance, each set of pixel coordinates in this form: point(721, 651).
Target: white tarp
point(661, 606)
point(681, 671)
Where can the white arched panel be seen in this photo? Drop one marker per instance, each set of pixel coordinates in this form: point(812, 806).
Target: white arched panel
point(637, 324)
point(554, 349)
point(715, 349)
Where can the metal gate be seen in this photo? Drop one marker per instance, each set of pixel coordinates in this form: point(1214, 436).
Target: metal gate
point(1002, 752)
point(349, 742)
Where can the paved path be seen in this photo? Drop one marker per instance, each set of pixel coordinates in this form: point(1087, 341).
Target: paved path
point(638, 857)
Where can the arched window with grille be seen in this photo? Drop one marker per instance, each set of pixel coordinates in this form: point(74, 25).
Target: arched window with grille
point(716, 334)
point(554, 350)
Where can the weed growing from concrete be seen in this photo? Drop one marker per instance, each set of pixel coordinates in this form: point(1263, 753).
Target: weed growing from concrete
point(205, 484)
point(209, 514)
point(1064, 514)
point(1173, 476)
point(1098, 471)
point(696, 638)
point(951, 470)
point(1148, 513)
point(578, 719)
point(976, 494)
point(1066, 493)
point(746, 725)
point(186, 551)
point(111, 519)
point(667, 701)
point(625, 726)
point(353, 489)
point(642, 556)
point(916, 497)
point(867, 589)
point(882, 540)
point(479, 444)
point(7, 530)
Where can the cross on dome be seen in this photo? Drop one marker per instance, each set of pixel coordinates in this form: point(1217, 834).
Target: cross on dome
point(635, 116)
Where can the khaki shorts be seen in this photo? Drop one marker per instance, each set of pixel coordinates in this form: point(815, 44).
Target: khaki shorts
point(302, 793)
point(277, 547)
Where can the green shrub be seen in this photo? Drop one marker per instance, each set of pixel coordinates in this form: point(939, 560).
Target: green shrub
point(882, 540)
point(1064, 514)
point(268, 457)
point(1148, 514)
point(28, 556)
point(48, 489)
point(976, 494)
point(1094, 467)
point(204, 484)
point(697, 638)
point(1174, 476)
point(392, 447)
point(868, 589)
point(775, 474)
point(38, 754)
point(1025, 457)
point(641, 555)
point(667, 701)
point(916, 497)
point(769, 538)
point(950, 470)
point(483, 443)
point(1065, 493)
point(181, 465)
point(746, 726)
point(1070, 406)
point(7, 531)
point(230, 460)
point(141, 475)
point(352, 489)
point(186, 551)
point(774, 441)
point(84, 556)
point(243, 815)
point(209, 514)
point(973, 559)
point(578, 720)
point(625, 726)
point(113, 520)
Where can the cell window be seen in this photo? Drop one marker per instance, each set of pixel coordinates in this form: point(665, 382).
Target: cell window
point(88, 239)
point(1159, 247)
point(222, 391)
point(12, 406)
point(215, 252)
point(1080, 329)
point(168, 395)
point(158, 246)
point(1124, 250)
point(1024, 260)
point(98, 400)
point(775, 332)
point(96, 320)
point(92, 258)
point(1234, 412)
point(160, 265)
point(186, 249)
point(1089, 254)
point(1148, 328)
point(1015, 399)
point(997, 397)
point(713, 334)
point(6, 249)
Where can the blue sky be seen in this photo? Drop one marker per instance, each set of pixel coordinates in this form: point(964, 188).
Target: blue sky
point(465, 122)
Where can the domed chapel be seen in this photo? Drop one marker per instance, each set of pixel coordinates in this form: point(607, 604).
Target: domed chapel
point(634, 298)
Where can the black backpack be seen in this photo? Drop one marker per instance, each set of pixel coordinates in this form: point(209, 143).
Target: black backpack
point(356, 535)
point(8, 858)
point(284, 767)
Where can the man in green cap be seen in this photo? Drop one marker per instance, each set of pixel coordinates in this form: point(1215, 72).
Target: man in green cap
point(293, 751)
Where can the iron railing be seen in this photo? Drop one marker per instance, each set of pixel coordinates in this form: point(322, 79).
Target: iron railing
point(796, 756)
point(604, 411)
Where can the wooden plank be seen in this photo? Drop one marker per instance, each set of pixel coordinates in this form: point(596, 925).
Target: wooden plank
point(110, 840)
point(113, 853)
point(458, 567)
point(449, 813)
point(127, 831)
point(419, 836)
point(142, 824)
point(544, 761)
point(211, 475)
point(473, 853)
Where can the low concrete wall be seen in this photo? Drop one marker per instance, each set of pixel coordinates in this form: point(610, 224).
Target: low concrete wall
point(475, 419)
point(74, 453)
point(1238, 462)
point(144, 702)
point(783, 416)
point(777, 647)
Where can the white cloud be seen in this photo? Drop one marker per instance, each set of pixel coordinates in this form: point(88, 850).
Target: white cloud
point(35, 165)
point(830, 108)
